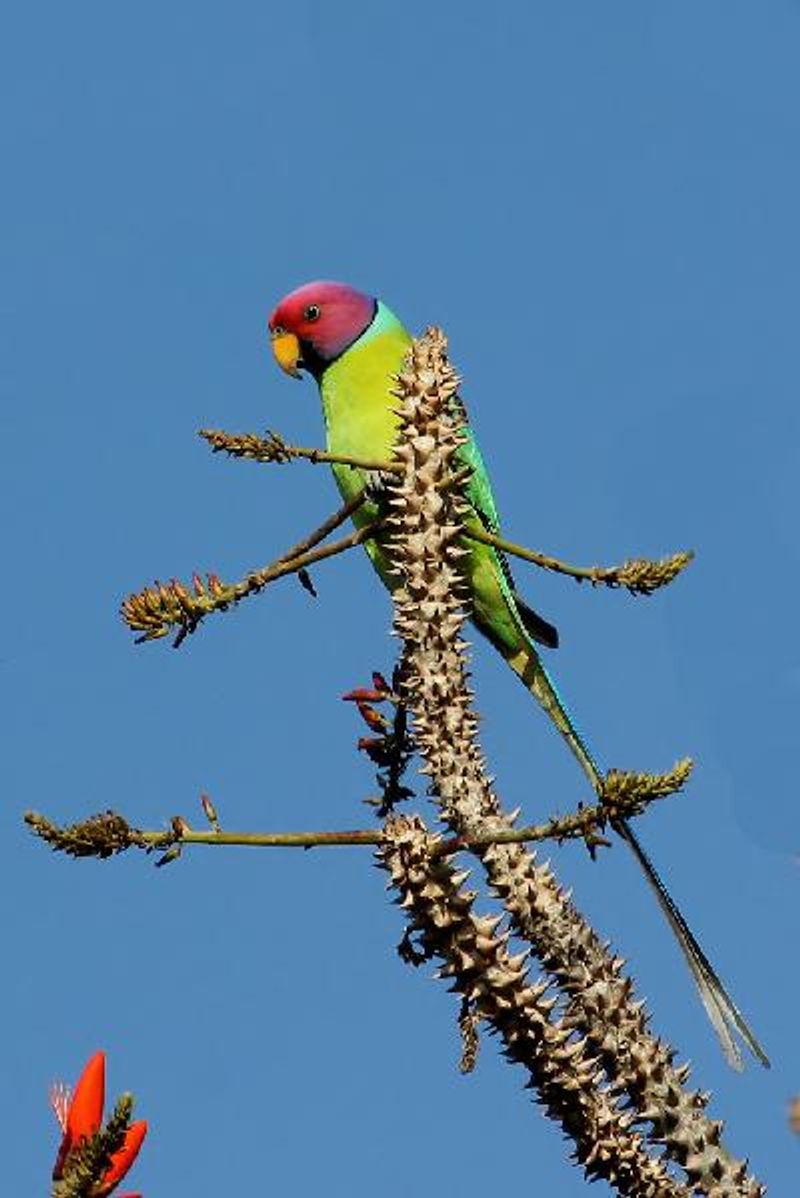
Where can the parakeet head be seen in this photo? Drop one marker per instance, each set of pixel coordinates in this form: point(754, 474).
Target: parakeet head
point(316, 323)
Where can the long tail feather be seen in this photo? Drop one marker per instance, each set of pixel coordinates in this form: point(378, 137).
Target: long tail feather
point(720, 1007)
point(722, 1011)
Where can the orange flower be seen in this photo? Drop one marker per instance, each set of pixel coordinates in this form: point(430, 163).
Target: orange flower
point(80, 1117)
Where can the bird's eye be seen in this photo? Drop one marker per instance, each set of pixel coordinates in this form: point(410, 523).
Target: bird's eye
point(311, 312)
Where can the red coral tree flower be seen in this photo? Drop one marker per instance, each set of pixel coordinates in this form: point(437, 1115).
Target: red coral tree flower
point(80, 1117)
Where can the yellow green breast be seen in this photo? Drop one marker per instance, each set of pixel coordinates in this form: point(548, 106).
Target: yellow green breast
point(356, 390)
point(359, 409)
point(356, 397)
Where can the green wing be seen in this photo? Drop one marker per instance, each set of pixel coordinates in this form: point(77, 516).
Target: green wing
point(480, 498)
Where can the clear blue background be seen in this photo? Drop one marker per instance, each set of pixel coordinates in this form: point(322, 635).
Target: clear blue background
point(600, 203)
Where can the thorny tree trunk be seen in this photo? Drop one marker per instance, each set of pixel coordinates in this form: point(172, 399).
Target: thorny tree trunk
point(592, 1061)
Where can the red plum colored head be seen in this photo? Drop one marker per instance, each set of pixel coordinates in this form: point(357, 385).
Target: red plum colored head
point(313, 325)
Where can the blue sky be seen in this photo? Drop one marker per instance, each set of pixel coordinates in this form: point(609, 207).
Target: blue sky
point(599, 203)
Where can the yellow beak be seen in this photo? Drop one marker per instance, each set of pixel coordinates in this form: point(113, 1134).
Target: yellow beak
point(286, 349)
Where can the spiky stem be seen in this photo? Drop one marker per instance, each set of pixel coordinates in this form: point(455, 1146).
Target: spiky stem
point(430, 598)
point(561, 1066)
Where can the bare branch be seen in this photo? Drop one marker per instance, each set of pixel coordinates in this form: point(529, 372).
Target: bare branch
point(640, 575)
point(273, 449)
point(156, 610)
point(108, 833)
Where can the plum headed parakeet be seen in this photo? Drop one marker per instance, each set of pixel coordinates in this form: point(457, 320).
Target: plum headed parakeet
point(354, 346)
